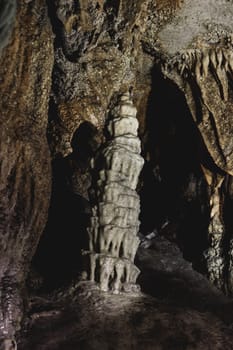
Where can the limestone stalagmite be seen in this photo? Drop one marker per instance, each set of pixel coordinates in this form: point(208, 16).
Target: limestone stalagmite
point(114, 226)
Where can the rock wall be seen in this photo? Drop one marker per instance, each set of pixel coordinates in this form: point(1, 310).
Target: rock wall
point(97, 54)
point(199, 61)
point(67, 62)
point(25, 71)
point(7, 17)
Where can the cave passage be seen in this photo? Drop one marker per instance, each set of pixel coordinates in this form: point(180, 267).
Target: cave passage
point(174, 194)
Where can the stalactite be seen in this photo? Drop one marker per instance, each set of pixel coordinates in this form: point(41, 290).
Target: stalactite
point(201, 62)
point(205, 74)
point(114, 225)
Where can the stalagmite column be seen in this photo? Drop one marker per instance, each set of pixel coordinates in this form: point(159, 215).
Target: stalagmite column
point(113, 240)
point(214, 255)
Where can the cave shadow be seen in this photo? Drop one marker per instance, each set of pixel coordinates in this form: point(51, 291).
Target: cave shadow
point(174, 195)
point(175, 203)
point(58, 257)
point(92, 319)
point(166, 276)
point(179, 290)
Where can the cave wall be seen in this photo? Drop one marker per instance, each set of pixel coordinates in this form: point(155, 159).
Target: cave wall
point(66, 63)
point(199, 61)
point(97, 56)
point(26, 67)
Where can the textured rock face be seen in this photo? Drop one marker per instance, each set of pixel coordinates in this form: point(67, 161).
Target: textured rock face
point(96, 56)
point(96, 51)
point(25, 72)
point(114, 226)
point(7, 17)
point(206, 75)
point(181, 310)
point(199, 60)
point(102, 49)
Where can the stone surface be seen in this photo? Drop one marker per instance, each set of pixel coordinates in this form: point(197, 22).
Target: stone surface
point(7, 18)
point(114, 225)
point(25, 72)
point(196, 53)
point(98, 50)
point(178, 309)
point(96, 58)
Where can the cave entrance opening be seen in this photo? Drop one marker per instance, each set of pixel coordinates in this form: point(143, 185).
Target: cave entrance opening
point(174, 194)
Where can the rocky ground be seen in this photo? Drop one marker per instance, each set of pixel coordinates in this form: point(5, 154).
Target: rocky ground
point(178, 309)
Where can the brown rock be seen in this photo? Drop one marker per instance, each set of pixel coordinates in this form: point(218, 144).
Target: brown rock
point(25, 71)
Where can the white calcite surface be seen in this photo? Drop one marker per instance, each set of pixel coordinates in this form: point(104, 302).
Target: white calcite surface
point(113, 233)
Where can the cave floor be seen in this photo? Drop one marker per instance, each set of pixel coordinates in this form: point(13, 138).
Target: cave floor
point(178, 309)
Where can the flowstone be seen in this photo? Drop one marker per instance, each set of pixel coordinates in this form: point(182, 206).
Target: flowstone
point(113, 240)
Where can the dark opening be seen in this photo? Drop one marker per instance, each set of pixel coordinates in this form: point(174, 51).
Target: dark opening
point(58, 258)
point(174, 198)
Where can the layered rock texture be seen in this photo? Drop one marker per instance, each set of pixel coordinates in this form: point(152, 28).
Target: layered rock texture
point(25, 160)
point(113, 240)
point(97, 50)
point(65, 68)
point(202, 68)
point(7, 18)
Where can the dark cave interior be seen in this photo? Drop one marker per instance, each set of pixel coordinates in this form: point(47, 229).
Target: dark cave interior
point(174, 205)
point(69, 212)
point(172, 189)
point(175, 199)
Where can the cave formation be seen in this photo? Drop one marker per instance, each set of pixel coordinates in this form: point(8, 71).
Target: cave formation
point(116, 174)
point(114, 223)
